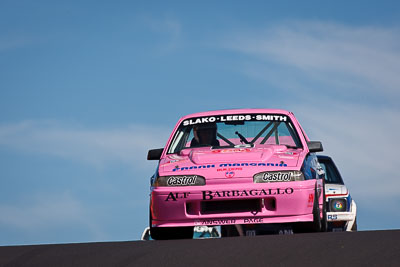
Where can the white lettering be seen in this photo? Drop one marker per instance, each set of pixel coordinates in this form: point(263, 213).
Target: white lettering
point(277, 176)
point(184, 180)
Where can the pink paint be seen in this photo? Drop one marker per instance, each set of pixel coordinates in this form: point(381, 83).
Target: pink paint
point(230, 196)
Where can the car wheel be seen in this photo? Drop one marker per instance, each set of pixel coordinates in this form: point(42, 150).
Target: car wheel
point(354, 228)
point(324, 222)
point(316, 225)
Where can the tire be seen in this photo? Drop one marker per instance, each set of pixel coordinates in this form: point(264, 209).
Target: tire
point(316, 225)
point(324, 222)
point(354, 228)
point(166, 233)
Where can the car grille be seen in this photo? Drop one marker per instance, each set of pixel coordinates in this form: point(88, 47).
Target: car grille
point(230, 206)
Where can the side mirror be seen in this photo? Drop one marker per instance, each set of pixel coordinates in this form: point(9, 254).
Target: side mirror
point(315, 146)
point(154, 154)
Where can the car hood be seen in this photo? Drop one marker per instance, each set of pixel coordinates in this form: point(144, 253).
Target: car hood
point(335, 189)
point(230, 162)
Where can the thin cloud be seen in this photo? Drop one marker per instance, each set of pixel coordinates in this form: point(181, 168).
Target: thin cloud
point(326, 58)
point(167, 27)
point(367, 58)
point(97, 147)
point(362, 141)
point(43, 212)
point(342, 82)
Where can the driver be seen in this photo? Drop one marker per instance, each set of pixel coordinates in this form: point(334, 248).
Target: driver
point(205, 135)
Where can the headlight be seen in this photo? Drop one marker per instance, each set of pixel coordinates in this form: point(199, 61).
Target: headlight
point(180, 180)
point(278, 176)
point(338, 204)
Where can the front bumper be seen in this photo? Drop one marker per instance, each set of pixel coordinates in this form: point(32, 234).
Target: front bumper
point(340, 216)
point(228, 204)
point(349, 217)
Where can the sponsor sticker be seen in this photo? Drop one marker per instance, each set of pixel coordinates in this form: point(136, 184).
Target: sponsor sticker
point(229, 221)
point(332, 217)
point(229, 169)
point(338, 205)
point(253, 220)
point(277, 176)
point(231, 150)
point(225, 165)
point(215, 221)
point(310, 200)
point(175, 196)
point(208, 195)
point(182, 180)
point(229, 174)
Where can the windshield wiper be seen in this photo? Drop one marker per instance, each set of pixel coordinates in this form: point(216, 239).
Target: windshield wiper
point(242, 138)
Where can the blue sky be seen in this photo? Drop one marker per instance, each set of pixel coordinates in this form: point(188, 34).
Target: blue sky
point(87, 87)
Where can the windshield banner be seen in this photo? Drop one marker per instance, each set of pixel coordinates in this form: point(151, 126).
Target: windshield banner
point(236, 117)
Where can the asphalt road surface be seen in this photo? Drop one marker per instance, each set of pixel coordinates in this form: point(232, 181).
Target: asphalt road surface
point(366, 248)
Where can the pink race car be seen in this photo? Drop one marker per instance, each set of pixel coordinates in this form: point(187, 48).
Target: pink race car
point(241, 167)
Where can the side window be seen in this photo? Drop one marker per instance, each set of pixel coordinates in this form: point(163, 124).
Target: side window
point(178, 142)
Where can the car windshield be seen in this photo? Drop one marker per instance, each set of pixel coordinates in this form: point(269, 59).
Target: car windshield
point(238, 130)
point(332, 175)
